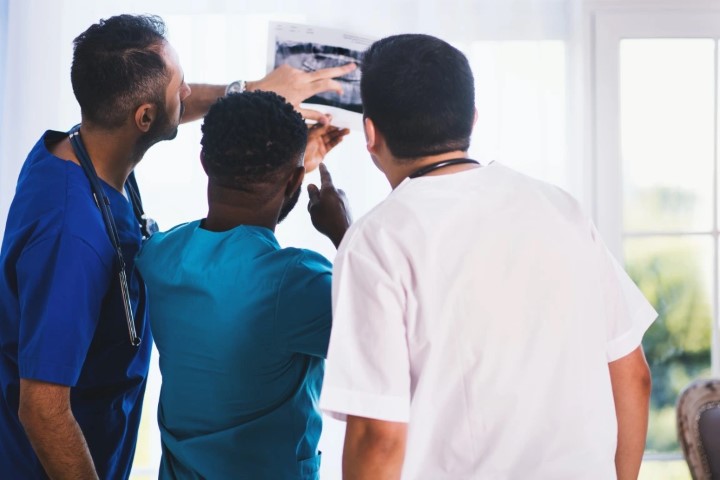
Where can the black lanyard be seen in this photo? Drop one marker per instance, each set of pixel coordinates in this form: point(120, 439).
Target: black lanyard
point(442, 164)
point(147, 226)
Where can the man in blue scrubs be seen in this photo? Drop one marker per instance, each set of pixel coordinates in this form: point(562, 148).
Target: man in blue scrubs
point(71, 382)
point(242, 325)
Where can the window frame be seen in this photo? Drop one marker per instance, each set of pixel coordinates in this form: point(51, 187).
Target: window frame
point(608, 24)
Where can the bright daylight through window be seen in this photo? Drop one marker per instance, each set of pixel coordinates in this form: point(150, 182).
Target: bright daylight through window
point(668, 93)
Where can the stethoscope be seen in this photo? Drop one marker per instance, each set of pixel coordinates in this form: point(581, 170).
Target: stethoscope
point(147, 225)
point(442, 164)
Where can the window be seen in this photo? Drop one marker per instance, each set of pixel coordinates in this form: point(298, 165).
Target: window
point(656, 93)
point(667, 118)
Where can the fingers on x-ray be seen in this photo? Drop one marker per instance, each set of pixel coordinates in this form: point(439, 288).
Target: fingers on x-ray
point(310, 57)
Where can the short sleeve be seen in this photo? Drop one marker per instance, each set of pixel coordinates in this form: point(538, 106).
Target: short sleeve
point(368, 370)
point(304, 311)
point(61, 285)
point(628, 313)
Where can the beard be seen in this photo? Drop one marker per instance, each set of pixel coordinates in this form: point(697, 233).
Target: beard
point(289, 205)
point(162, 129)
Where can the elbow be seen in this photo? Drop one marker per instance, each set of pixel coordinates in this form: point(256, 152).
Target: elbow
point(381, 437)
point(645, 380)
point(640, 372)
point(29, 415)
point(381, 445)
point(374, 447)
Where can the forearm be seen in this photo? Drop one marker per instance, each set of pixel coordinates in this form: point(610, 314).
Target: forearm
point(293, 84)
point(631, 389)
point(55, 435)
point(632, 433)
point(374, 450)
point(202, 96)
point(60, 445)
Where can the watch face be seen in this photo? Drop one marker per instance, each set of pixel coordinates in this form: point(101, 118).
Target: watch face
point(236, 87)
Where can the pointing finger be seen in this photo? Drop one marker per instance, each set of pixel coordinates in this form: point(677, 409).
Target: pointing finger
point(333, 72)
point(324, 85)
point(325, 178)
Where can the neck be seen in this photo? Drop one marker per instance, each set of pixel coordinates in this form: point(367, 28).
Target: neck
point(399, 169)
point(230, 208)
point(114, 153)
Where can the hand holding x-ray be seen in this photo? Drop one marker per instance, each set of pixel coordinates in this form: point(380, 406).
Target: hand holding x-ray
point(297, 85)
point(318, 51)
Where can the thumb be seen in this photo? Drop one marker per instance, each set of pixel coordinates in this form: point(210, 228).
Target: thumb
point(314, 195)
point(314, 115)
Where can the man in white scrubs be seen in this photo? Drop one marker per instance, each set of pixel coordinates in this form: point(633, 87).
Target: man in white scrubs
point(481, 329)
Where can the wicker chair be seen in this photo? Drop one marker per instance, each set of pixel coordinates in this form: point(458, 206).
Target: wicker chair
point(698, 419)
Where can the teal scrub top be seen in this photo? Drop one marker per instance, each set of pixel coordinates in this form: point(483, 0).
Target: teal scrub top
point(242, 327)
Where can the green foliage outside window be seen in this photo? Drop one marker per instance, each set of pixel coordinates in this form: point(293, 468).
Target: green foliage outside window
point(672, 273)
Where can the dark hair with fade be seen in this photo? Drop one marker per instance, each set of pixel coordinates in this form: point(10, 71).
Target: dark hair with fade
point(420, 93)
point(250, 138)
point(117, 66)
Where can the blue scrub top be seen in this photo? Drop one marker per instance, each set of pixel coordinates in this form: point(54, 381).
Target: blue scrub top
point(242, 327)
point(61, 316)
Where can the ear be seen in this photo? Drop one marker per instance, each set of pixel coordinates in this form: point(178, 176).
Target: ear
point(202, 162)
point(475, 118)
point(294, 181)
point(370, 135)
point(145, 115)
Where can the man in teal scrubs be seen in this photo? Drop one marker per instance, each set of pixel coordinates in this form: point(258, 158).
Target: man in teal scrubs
point(242, 325)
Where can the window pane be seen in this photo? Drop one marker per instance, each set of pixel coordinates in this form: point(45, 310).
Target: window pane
point(675, 274)
point(667, 96)
point(666, 470)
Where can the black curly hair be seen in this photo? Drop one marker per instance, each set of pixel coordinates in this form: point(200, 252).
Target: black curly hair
point(250, 138)
point(117, 66)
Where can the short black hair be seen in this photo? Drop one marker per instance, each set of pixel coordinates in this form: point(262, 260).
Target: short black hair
point(251, 138)
point(420, 93)
point(117, 66)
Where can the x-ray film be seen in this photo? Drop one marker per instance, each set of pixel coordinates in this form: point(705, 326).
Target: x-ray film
point(312, 48)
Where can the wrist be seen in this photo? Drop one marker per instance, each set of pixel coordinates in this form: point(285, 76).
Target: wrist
point(337, 235)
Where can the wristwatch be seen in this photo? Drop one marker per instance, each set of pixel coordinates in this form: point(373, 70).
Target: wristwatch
point(238, 86)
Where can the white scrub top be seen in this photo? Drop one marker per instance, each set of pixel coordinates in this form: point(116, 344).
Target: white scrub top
point(482, 307)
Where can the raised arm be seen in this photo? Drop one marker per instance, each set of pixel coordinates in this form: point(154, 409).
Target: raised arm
point(49, 423)
point(631, 385)
point(293, 84)
point(374, 449)
point(202, 96)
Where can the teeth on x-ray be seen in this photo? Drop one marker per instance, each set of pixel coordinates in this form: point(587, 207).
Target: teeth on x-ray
point(313, 56)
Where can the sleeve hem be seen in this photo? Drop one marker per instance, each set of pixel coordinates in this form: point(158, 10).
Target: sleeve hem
point(339, 403)
point(48, 372)
point(630, 340)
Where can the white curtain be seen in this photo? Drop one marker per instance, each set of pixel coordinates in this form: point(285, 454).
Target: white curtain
point(525, 55)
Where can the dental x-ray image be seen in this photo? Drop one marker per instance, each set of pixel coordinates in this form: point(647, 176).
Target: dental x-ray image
point(313, 56)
